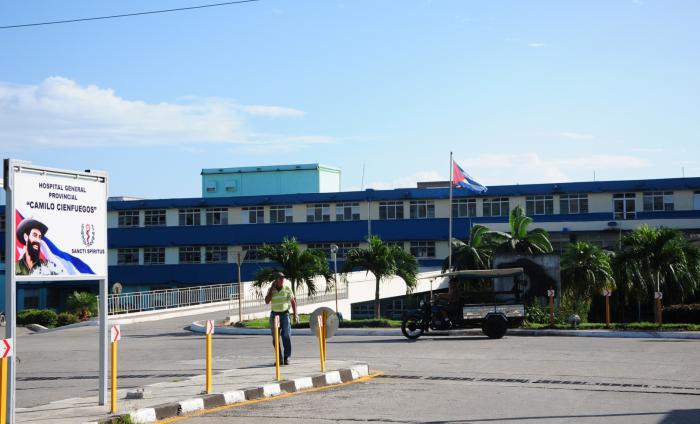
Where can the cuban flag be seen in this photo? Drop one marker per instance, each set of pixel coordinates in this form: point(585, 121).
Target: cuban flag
point(57, 261)
point(464, 180)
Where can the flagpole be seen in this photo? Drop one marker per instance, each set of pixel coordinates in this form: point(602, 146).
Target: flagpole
point(449, 239)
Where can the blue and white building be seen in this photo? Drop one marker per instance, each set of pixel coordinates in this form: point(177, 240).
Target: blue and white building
point(166, 243)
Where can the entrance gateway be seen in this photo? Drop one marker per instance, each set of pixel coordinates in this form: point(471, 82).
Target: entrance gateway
point(55, 230)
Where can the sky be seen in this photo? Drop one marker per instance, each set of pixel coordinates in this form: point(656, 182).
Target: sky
point(520, 91)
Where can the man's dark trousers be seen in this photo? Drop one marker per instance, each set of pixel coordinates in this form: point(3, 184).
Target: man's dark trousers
point(285, 333)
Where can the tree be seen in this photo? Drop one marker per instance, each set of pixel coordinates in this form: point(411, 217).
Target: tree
point(384, 261)
point(519, 239)
point(299, 266)
point(476, 252)
point(83, 304)
point(655, 259)
point(585, 272)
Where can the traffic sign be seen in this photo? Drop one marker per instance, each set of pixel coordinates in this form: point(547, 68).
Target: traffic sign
point(607, 292)
point(331, 323)
point(115, 334)
point(658, 295)
point(550, 293)
point(6, 348)
point(210, 327)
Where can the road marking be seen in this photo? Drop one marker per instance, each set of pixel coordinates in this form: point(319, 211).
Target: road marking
point(283, 395)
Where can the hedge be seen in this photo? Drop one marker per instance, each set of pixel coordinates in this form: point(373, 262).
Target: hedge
point(45, 317)
point(689, 313)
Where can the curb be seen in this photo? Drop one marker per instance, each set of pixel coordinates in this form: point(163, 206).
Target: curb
point(200, 403)
point(683, 335)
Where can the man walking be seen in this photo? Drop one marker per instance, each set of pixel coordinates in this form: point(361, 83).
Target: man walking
point(282, 297)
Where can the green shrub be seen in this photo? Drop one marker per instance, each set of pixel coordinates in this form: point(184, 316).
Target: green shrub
point(45, 317)
point(65, 318)
point(687, 314)
point(83, 304)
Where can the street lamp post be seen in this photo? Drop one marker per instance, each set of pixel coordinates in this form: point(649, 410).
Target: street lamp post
point(240, 256)
point(334, 257)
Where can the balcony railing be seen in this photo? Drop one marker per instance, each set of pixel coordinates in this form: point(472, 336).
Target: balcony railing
point(125, 303)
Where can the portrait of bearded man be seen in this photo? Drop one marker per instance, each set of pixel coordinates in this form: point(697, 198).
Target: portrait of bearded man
point(30, 233)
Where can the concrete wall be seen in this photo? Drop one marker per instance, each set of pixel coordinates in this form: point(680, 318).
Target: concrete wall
point(550, 263)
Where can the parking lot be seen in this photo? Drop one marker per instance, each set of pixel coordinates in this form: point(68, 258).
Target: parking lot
point(433, 379)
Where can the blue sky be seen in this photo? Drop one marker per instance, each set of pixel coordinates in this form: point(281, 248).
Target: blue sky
point(520, 91)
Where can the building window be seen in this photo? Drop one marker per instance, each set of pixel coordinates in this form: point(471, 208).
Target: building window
point(189, 217)
point(217, 216)
point(281, 214)
point(252, 253)
point(318, 212)
point(31, 298)
point(344, 248)
point(128, 219)
point(573, 203)
point(2, 222)
point(422, 209)
point(498, 206)
point(655, 201)
point(463, 208)
point(154, 256)
point(347, 212)
point(211, 186)
point(623, 205)
point(154, 218)
point(391, 210)
point(323, 247)
point(423, 249)
point(539, 205)
point(216, 254)
point(127, 256)
point(190, 255)
point(398, 244)
point(253, 215)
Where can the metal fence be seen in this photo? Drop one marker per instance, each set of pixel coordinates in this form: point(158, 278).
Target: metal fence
point(252, 302)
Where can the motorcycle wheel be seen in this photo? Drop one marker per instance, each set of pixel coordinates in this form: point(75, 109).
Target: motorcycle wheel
point(411, 328)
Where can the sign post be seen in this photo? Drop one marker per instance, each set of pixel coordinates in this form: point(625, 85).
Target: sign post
point(277, 347)
point(659, 310)
point(550, 293)
point(114, 337)
point(56, 230)
point(209, 332)
point(5, 352)
point(607, 293)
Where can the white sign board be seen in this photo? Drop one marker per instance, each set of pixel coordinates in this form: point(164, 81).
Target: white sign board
point(210, 327)
point(658, 295)
point(607, 292)
point(6, 348)
point(61, 222)
point(115, 333)
point(550, 293)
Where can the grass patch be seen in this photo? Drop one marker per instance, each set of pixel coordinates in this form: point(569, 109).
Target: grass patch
point(264, 323)
point(630, 326)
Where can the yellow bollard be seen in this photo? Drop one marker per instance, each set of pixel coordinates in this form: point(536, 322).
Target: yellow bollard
point(113, 409)
point(209, 333)
point(3, 391)
point(325, 335)
point(277, 348)
point(115, 336)
point(321, 343)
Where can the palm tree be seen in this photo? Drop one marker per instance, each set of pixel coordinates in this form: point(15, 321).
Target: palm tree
point(299, 266)
point(519, 239)
point(585, 271)
point(384, 261)
point(652, 259)
point(475, 253)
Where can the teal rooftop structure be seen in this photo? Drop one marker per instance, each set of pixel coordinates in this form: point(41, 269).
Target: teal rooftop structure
point(269, 180)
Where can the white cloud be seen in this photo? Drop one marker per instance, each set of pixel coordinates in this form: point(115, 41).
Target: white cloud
point(60, 112)
point(536, 45)
point(529, 168)
point(408, 181)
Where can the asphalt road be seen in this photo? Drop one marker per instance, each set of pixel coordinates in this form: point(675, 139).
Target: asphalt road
point(471, 379)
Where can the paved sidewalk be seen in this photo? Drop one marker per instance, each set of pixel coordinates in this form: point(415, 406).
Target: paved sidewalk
point(169, 399)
